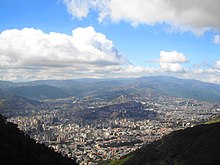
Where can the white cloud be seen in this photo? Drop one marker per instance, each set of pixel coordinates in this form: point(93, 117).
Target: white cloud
point(171, 67)
point(207, 75)
point(169, 61)
point(172, 57)
point(194, 15)
point(31, 48)
point(132, 71)
point(31, 54)
point(111, 71)
point(81, 8)
point(216, 39)
point(78, 8)
point(217, 64)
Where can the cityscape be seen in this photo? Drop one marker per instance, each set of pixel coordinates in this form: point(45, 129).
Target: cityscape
point(109, 82)
point(120, 127)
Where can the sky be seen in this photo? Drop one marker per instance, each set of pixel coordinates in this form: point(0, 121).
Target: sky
point(69, 39)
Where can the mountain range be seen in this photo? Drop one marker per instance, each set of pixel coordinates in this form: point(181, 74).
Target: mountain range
point(162, 85)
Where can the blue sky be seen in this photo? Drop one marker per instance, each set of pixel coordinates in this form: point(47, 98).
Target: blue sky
point(67, 39)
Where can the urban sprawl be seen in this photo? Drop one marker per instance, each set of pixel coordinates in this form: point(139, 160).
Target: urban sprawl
point(94, 129)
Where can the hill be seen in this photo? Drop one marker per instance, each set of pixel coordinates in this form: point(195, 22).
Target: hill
point(18, 148)
point(193, 146)
point(6, 84)
point(39, 92)
point(12, 104)
point(133, 110)
point(185, 88)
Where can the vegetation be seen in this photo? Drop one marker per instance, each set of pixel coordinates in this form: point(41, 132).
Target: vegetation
point(16, 147)
point(120, 161)
point(215, 120)
point(185, 88)
point(193, 146)
point(39, 92)
point(161, 85)
point(13, 104)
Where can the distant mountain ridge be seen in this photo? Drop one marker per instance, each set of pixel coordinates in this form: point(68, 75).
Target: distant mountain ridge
point(185, 88)
point(162, 85)
point(39, 92)
point(6, 84)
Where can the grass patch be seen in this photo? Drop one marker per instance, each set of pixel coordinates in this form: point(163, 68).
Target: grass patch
point(120, 161)
point(213, 121)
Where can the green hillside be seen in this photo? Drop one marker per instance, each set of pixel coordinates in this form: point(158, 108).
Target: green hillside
point(215, 120)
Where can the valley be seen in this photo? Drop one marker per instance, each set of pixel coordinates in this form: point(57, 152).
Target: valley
point(107, 125)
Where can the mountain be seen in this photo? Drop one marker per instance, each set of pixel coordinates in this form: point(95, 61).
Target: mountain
point(185, 88)
point(193, 146)
point(39, 92)
point(113, 88)
point(12, 104)
point(80, 87)
point(163, 85)
point(18, 148)
point(6, 84)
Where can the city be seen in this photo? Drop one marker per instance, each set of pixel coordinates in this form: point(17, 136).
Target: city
point(95, 129)
point(109, 82)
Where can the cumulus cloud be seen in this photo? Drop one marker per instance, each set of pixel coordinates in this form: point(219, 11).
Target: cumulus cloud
point(172, 57)
point(171, 67)
point(81, 8)
point(78, 8)
point(217, 64)
point(31, 48)
point(170, 61)
point(194, 15)
point(216, 39)
point(31, 54)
